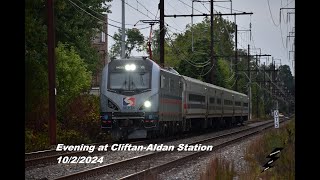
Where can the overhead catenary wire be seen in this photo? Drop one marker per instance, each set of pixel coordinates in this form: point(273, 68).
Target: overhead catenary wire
point(189, 6)
point(289, 3)
point(200, 65)
point(74, 4)
point(97, 19)
point(207, 62)
point(138, 10)
point(175, 8)
point(145, 8)
point(102, 15)
point(271, 14)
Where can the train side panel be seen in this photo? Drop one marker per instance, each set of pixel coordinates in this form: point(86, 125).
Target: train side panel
point(196, 101)
point(170, 97)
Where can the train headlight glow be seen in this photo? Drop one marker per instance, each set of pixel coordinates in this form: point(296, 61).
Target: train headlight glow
point(147, 104)
point(130, 67)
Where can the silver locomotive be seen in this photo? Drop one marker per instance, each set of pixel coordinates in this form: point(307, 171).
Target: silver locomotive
point(139, 99)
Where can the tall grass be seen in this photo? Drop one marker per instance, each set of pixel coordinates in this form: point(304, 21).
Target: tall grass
point(218, 169)
point(256, 153)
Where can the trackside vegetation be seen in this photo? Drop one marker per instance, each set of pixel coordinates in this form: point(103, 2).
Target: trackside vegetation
point(255, 157)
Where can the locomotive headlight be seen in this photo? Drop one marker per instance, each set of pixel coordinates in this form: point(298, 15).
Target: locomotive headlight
point(133, 67)
point(147, 104)
point(130, 67)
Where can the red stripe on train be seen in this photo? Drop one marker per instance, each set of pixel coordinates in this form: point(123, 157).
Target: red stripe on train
point(169, 101)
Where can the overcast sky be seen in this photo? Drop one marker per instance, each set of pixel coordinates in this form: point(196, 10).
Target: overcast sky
point(267, 33)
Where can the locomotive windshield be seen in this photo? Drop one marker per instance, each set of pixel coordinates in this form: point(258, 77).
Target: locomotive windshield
point(123, 79)
point(129, 81)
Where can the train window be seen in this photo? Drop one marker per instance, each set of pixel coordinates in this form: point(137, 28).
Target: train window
point(171, 85)
point(196, 98)
point(227, 102)
point(162, 82)
point(211, 100)
point(238, 103)
point(245, 104)
point(218, 101)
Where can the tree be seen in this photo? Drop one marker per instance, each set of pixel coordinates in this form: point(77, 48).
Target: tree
point(286, 77)
point(72, 27)
point(73, 77)
point(135, 40)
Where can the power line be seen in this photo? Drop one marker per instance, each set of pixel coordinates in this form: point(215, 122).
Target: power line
point(175, 24)
point(271, 14)
point(103, 15)
point(228, 8)
point(191, 63)
point(145, 8)
point(92, 15)
point(174, 8)
point(190, 6)
point(288, 3)
point(282, 37)
point(204, 6)
point(138, 10)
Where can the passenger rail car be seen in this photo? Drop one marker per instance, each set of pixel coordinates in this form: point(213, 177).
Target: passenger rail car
point(139, 99)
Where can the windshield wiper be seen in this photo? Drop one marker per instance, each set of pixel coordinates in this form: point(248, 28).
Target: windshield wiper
point(144, 90)
point(133, 86)
point(112, 90)
point(124, 85)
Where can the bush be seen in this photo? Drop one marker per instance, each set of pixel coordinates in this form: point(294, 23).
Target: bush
point(36, 141)
point(79, 124)
point(83, 116)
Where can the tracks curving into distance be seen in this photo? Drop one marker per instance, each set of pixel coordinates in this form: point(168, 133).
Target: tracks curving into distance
point(155, 162)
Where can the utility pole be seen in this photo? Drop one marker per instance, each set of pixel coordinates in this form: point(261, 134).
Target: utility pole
point(52, 75)
point(264, 82)
point(211, 44)
point(192, 28)
point(236, 57)
point(236, 54)
point(249, 74)
point(162, 32)
point(257, 95)
point(123, 35)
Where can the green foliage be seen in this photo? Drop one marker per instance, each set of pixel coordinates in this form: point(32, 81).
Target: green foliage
point(36, 76)
point(35, 141)
point(284, 167)
point(72, 75)
point(72, 28)
point(77, 28)
point(134, 40)
point(224, 75)
point(76, 59)
point(218, 169)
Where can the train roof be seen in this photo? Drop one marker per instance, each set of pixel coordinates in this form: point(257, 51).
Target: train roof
point(212, 85)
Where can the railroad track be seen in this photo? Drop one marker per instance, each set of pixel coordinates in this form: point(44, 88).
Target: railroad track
point(46, 157)
point(156, 162)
